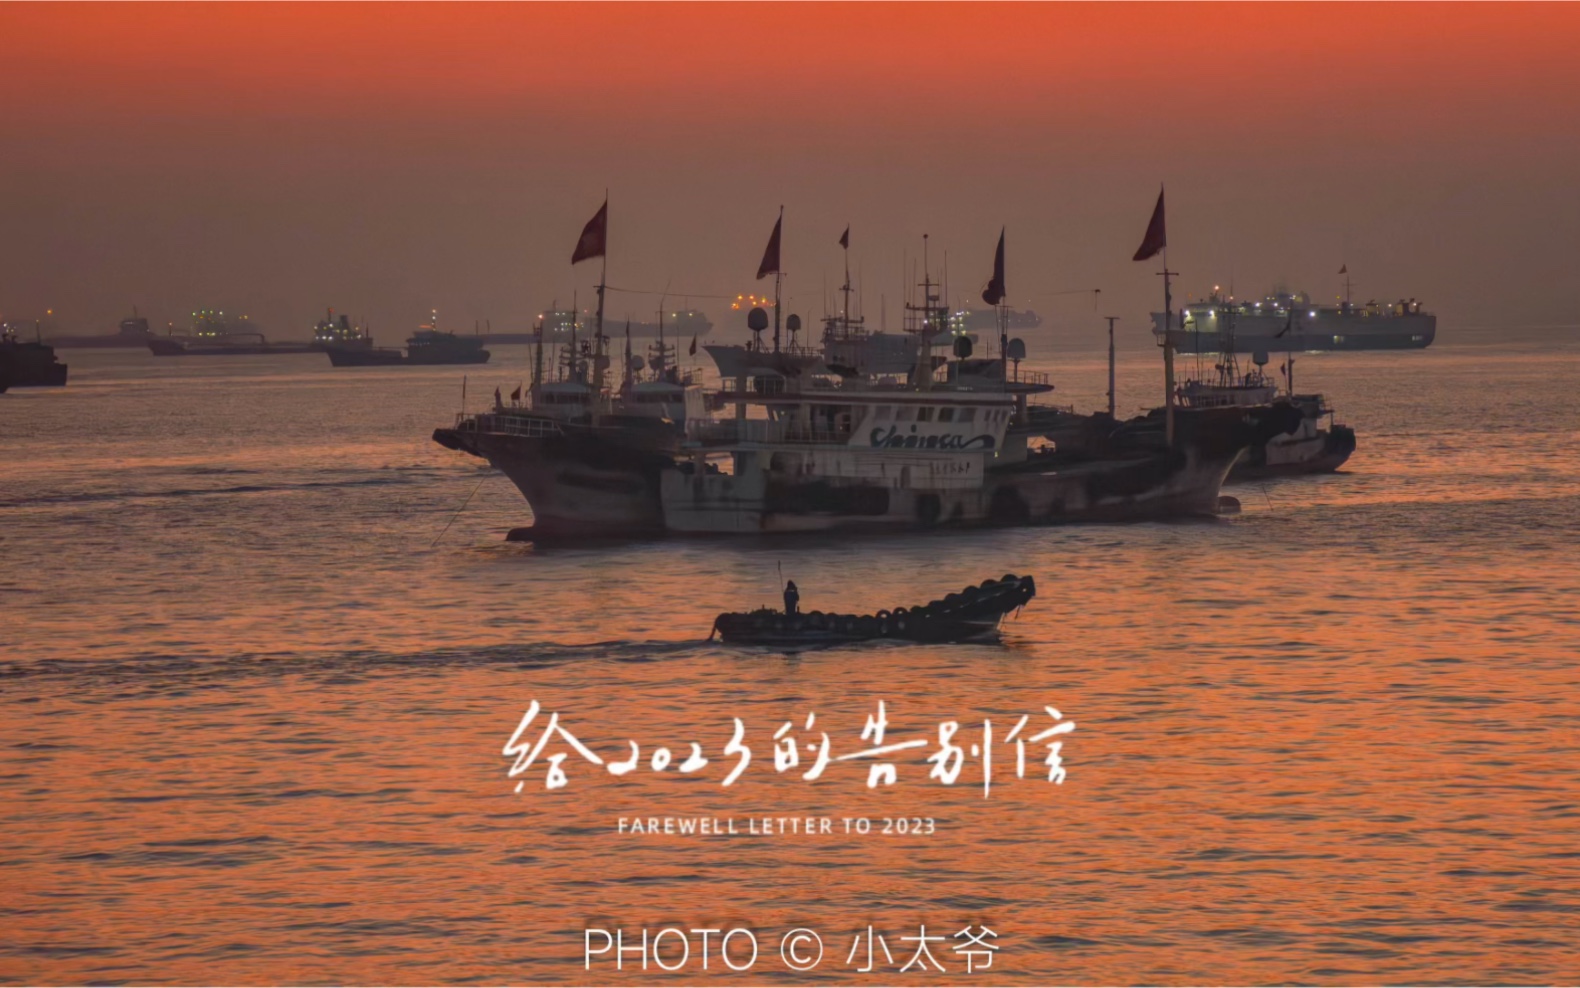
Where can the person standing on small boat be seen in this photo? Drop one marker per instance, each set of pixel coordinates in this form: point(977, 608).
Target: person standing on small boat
point(792, 598)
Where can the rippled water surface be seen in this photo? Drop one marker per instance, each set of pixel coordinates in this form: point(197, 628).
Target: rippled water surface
point(256, 671)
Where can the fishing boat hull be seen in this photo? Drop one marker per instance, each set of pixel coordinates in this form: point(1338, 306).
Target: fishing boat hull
point(364, 356)
point(391, 357)
point(1134, 476)
point(972, 615)
point(579, 480)
point(167, 346)
point(30, 365)
point(1040, 491)
point(1292, 455)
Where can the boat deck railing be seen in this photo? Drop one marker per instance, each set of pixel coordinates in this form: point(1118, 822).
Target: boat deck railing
point(732, 432)
point(529, 427)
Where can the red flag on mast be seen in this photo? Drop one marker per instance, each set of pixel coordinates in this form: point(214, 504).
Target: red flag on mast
point(1156, 239)
point(693, 350)
point(844, 238)
point(770, 263)
point(595, 236)
point(993, 294)
point(1345, 269)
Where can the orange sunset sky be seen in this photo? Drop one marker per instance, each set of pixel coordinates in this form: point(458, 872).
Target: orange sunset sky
point(388, 159)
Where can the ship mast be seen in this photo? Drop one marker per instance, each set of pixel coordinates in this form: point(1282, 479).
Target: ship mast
point(537, 366)
point(1111, 321)
point(575, 355)
point(777, 265)
point(1168, 351)
point(626, 382)
point(599, 360)
point(923, 348)
point(663, 354)
point(845, 289)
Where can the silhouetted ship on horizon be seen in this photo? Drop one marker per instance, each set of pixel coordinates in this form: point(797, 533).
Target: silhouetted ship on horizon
point(28, 364)
point(331, 331)
point(133, 333)
point(213, 335)
point(558, 325)
point(1289, 321)
point(987, 320)
point(428, 347)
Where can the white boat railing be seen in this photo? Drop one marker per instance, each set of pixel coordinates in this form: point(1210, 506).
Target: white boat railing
point(731, 432)
point(528, 427)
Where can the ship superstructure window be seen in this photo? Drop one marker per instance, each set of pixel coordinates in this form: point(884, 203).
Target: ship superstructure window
point(883, 413)
point(905, 413)
point(968, 414)
point(946, 414)
point(924, 414)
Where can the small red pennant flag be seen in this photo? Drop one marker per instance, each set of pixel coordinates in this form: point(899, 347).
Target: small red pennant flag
point(844, 238)
point(1156, 238)
point(595, 236)
point(770, 263)
point(993, 294)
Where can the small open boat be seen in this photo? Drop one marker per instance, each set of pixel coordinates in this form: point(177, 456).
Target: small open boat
point(973, 614)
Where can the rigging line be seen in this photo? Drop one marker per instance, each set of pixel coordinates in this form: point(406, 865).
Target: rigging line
point(1072, 291)
point(643, 291)
point(458, 511)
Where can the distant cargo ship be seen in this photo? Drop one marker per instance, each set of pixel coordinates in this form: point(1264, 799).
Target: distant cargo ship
point(1291, 321)
point(557, 325)
point(214, 336)
point(338, 332)
point(984, 320)
point(133, 332)
point(429, 346)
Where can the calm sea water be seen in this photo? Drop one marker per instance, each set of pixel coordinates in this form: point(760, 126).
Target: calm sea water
point(256, 673)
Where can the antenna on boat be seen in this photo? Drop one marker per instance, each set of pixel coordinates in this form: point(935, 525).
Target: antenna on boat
point(603, 280)
point(1111, 321)
point(1168, 351)
point(570, 370)
point(627, 383)
point(537, 365)
point(844, 243)
point(923, 355)
point(663, 355)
